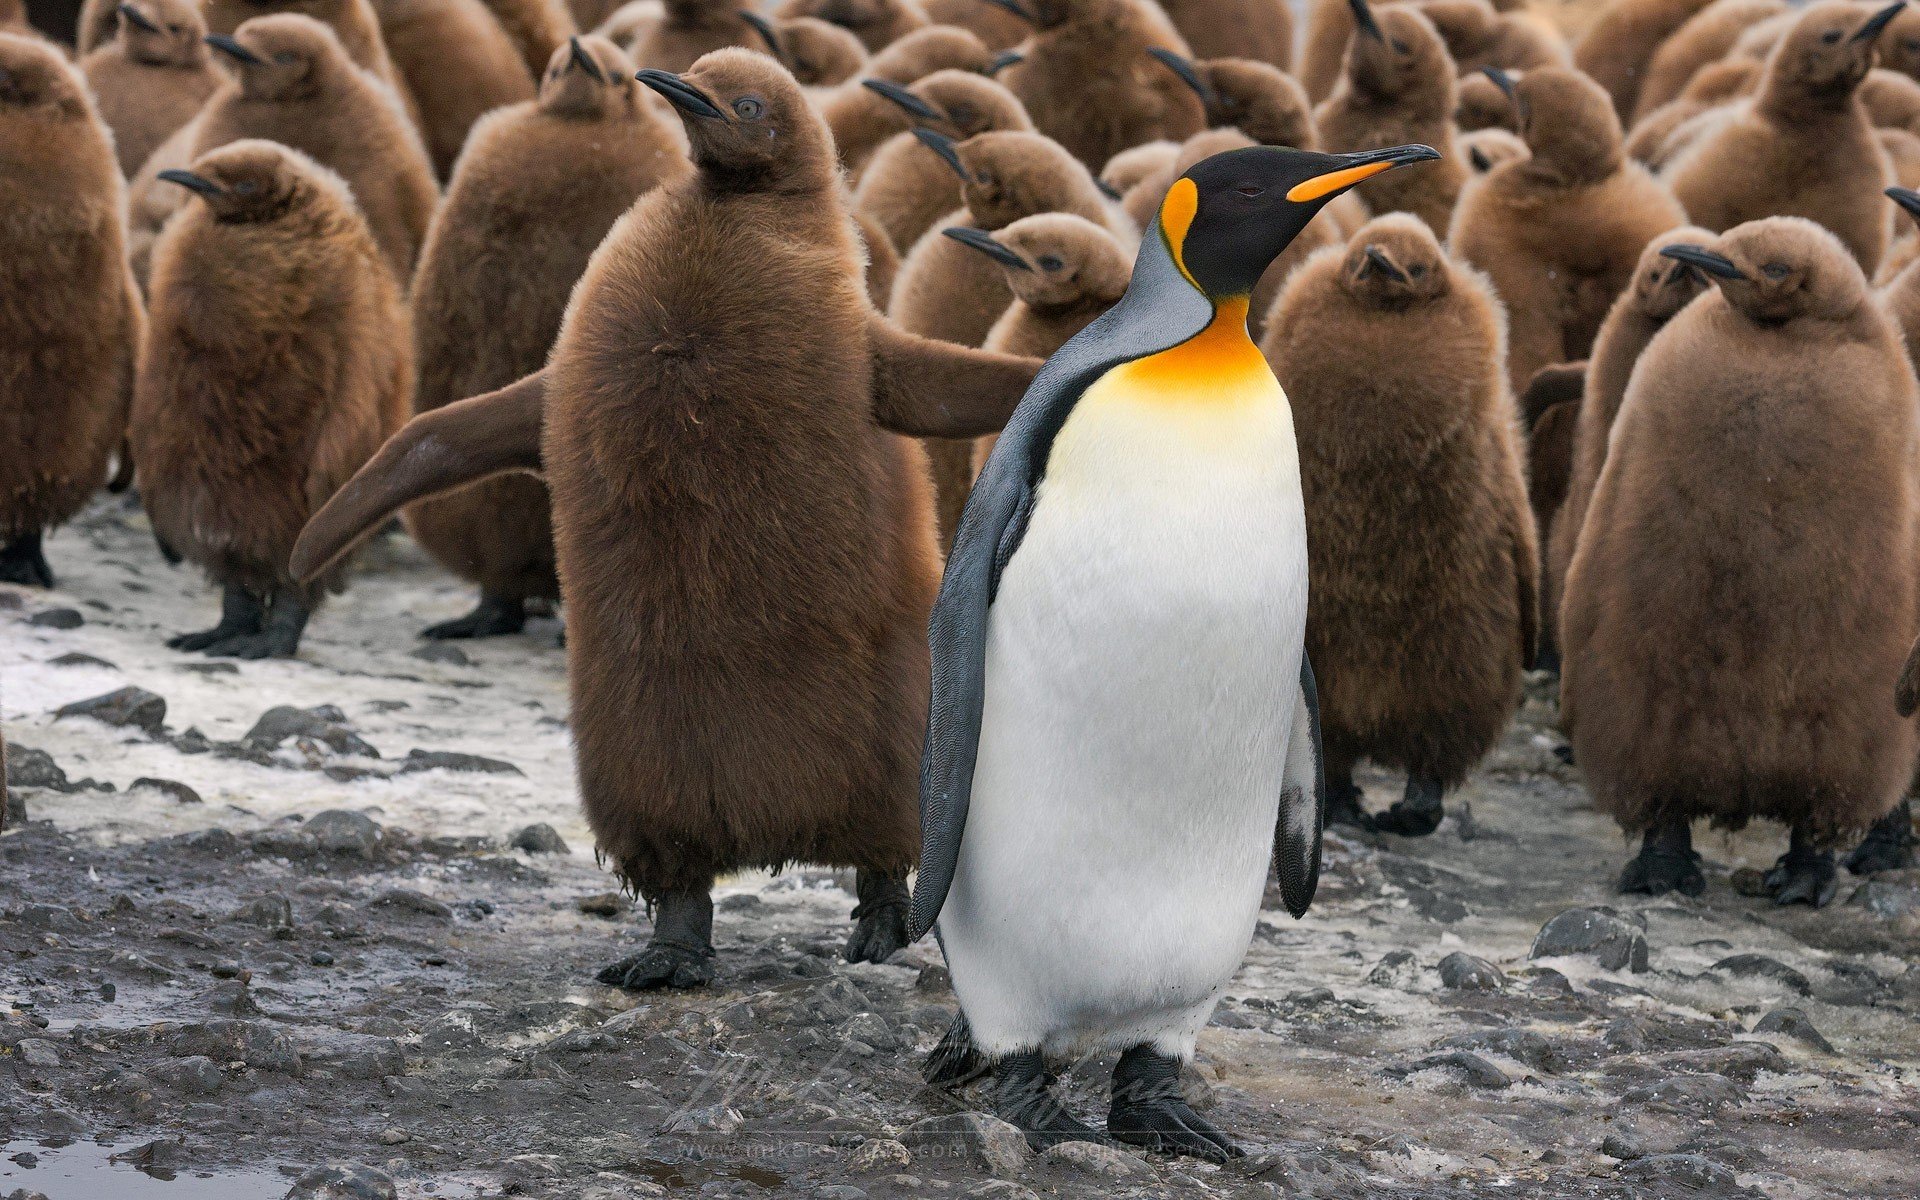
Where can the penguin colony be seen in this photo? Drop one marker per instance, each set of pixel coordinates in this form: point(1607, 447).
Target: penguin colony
point(1275, 403)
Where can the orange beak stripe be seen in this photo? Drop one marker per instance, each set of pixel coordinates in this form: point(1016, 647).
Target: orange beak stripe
point(1333, 181)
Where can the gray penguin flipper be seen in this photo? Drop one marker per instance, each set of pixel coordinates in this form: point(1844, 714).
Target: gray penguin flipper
point(1303, 801)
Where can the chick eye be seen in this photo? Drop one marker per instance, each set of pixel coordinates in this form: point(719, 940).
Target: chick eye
point(1399, 47)
point(1417, 270)
point(1910, 45)
point(246, 187)
point(749, 108)
point(1830, 37)
point(286, 58)
point(1250, 190)
point(1775, 271)
point(1050, 262)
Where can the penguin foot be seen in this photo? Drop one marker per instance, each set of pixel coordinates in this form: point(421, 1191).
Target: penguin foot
point(1666, 863)
point(241, 613)
point(1149, 1111)
point(23, 562)
point(680, 954)
point(1343, 806)
point(1418, 813)
point(1023, 1097)
point(956, 1060)
point(1888, 846)
point(494, 616)
point(270, 643)
point(1803, 875)
point(880, 918)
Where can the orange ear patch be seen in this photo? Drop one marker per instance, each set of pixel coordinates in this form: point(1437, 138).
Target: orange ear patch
point(1176, 217)
point(1333, 181)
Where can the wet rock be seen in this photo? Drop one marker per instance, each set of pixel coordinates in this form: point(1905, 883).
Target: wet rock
point(324, 724)
point(1741, 1061)
point(539, 839)
point(76, 659)
point(1624, 1147)
point(409, 900)
point(1613, 942)
point(194, 1075)
point(1435, 906)
point(255, 1043)
point(173, 790)
point(441, 652)
point(987, 1142)
point(1545, 981)
point(128, 707)
point(35, 1052)
point(1706, 1092)
point(1684, 1172)
point(1399, 969)
point(1520, 1045)
point(1464, 972)
point(999, 1189)
point(715, 1118)
point(338, 831)
point(880, 1154)
point(343, 1181)
point(1794, 1023)
point(1624, 1035)
point(161, 1155)
point(57, 618)
point(272, 911)
point(351, 1055)
point(234, 998)
point(1759, 966)
point(603, 904)
point(447, 760)
point(1470, 1066)
point(1299, 1174)
point(1095, 1160)
point(210, 668)
point(1886, 898)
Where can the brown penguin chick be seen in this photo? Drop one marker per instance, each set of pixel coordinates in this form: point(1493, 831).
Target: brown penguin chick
point(588, 14)
point(749, 689)
point(457, 63)
point(1661, 287)
point(947, 291)
point(1900, 44)
point(1549, 413)
point(1742, 596)
point(1258, 99)
point(1802, 146)
point(1615, 50)
point(1486, 149)
point(520, 220)
point(1261, 30)
point(907, 186)
point(69, 310)
point(1398, 87)
point(537, 28)
point(877, 23)
point(1323, 47)
point(353, 21)
point(277, 364)
point(97, 24)
point(1560, 231)
point(998, 28)
point(1901, 290)
point(690, 29)
point(883, 260)
point(1088, 82)
point(816, 53)
point(1666, 131)
point(1903, 155)
point(1892, 100)
point(1477, 35)
point(1130, 168)
point(152, 78)
point(1419, 539)
point(628, 21)
point(1708, 37)
point(861, 119)
point(1480, 104)
point(295, 85)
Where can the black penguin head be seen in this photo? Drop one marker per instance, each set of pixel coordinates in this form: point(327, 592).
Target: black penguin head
point(1777, 269)
point(1228, 217)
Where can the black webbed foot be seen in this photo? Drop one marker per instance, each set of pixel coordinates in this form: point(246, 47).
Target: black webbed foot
point(1666, 863)
point(680, 953)
point(24, 562)
point(1023, 1097)
point(1803, 875)
point(494, 616)
point(1343, 802)
point(1888, 846)
point(241, 614)
point(278, 638)
point(1149, 1111)
point(880, 918)
point(1416, 814)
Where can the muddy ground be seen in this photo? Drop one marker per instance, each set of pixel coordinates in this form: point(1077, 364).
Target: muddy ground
point(310, 948)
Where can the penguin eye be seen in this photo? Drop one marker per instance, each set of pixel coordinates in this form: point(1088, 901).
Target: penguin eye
point(1050, 262)
point(1399, 47)
point(1417, 270)
point(749, 108)
point(1910, 45)
point(1776, 270)
point(246, 187)
point(286, 58)
point(1830, 37)
point(1250, 190)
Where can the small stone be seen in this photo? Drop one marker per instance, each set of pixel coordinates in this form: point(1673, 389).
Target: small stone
point(880, 1154)
point(1759, 966)
point(323, 723)
point(998, 1189)
point(177, 792)
point(394, 1137)
point(76, 659)
point(1680, 1172)
point(210, 668)
point(447, 760)
point(1473, 1068)
point(57, 618)
point(1399, 969)
point(338, 831)
point(412, 901)
point(715, 1118)
point(1094, 1159)
point(195, 1075)
point(989, 1142)
point(38, 1053)
point(1707, 1092)
point(1464, 972)
point(129, 707)
point(441, 652)
point(1886, 899)
point(320, 958)
point(840, 1191)
point(343, 1181)
point(271, 911)
point(1794, 1023)
point(1623, 1147)
point(1610, 940)
point(539, 839)
point(934, 979)
point(30, 768)
point(254, 1043)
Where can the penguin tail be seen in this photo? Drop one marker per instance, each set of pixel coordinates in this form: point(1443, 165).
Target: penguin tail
point(956, 1060)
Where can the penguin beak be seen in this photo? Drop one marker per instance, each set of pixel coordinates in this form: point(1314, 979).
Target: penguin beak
point(1355, 168)
point(905, 99)
point(584, 61)
point(987, 246)
point(1188, 73)
point(764, 28)
point(192, 182)
point(137, 19)
point(1108, 190)
point(1503, 81)
point(681, 94)
point(1003, 60)
point(233, 49)
point(1479, 159)
point(1906, 199)
point(1385, 265)
point(1017, 9)
point(1877, 23)
point(1716, 265)
point(942, 145)
point(1363, 19)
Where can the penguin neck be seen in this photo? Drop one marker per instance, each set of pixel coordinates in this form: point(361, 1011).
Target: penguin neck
point(1221, 353)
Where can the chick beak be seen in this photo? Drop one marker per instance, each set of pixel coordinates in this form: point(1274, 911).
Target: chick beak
point(1017, 9)
point(986, 245)
point(1385, 265)
point(584, 61)
point(192, 182)
point(138, 19)
point(913, 104)
point(233, 49)
point(1717, 265)
point(1909, 200)
point(1189, 74)
point(765, 29)
point(942, 145)
point(681, 94)
point(1363, 19)
point(1877, 23)
point(1003, 60)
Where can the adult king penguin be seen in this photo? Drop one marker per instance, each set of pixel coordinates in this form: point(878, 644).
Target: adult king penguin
point(1123, 727)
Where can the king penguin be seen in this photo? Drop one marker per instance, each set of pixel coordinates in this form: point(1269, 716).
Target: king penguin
point(1123, 728)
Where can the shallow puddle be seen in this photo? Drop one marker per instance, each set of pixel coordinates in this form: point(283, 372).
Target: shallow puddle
point(87, 1171)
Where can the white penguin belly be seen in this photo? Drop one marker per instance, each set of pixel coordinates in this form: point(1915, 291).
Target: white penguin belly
point(1143, 661)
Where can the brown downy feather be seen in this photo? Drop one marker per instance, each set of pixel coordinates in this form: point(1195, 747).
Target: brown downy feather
point(353, 21)
point(1707, 38)
point(1550, 415)
point(148, 82)
point(1664, 133)
point(1903, 154)
point(1661, 287)
point(817, 54)
point(692, 28)
point(1560, 232)
point(1088, 82)
point(523, 214)
point(1485, 149)
point(278, 362)
point(997, 28)
point(883, 260)
point(68, 307)
point(1481, 104)
point(97, 24)
point(1478, 35)
point(906, 186)
point(1623, 39)
point(1421, 544)
point(877, 23)
point(861, 120)
point(1398, 87)
point(304, 92)
point(1261, 30)
point(458, 65)
point(537, 27)
point(1900, 46)
point(1803, 146)
point(1742, 598)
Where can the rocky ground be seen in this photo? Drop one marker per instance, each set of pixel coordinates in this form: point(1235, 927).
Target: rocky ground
point(328, 928)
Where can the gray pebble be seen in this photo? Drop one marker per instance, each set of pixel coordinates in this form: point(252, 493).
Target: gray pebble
point(127, 707)
point(1467, 973)
point(539, 839)
point(1612, 941)
point(57, 618)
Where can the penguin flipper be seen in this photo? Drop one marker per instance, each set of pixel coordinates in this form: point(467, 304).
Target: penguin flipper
point(1303, 801)
point(924, 387)
point(437, 451)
